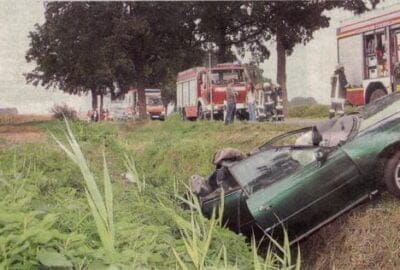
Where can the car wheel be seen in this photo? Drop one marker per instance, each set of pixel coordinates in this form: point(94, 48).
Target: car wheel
point(377, 93)
point(391, 175)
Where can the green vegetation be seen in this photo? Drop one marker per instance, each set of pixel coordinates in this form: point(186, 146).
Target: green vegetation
point(111, 198)
point(314, 111)
point(308, 111)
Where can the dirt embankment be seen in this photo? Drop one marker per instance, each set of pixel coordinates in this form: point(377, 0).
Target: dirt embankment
point(368, 237)
point(21, 134)
point(17, 128)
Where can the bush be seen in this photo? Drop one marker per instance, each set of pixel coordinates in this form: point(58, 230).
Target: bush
point(64, 111)
point(308, 111)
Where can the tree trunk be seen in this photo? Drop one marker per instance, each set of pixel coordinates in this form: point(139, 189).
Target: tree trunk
point(281, 69)
point(142, 103)
point(94, 99)
point(101, 102)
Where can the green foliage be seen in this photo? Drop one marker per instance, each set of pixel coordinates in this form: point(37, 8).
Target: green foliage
point(61, 112)
point(309, 111)
point(45, 217)
point(53, 259)
point(315, 111)
point(143, 44)
point(101, 209)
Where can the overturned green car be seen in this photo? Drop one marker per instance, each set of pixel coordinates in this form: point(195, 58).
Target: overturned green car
point(306, 178)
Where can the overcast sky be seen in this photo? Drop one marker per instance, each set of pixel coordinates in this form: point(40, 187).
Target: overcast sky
point(308, 68)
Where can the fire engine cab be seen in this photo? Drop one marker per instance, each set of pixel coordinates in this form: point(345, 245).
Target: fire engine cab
point(369, 49)
point(200, 92)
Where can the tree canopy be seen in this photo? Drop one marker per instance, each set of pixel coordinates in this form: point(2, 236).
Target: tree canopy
point(107, 47)
point(112, 46)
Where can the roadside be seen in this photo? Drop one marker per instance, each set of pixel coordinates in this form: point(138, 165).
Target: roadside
point(301, 121)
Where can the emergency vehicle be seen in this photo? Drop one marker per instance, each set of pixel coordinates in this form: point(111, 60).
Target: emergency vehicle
point(154, 106)
point(369, 50)
point(200, 91)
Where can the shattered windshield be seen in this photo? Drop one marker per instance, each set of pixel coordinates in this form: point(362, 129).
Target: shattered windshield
point(337, 130)
point(266, 167)
point(327, 133)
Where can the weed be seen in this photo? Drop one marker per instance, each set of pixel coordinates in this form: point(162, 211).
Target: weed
point(101, 209)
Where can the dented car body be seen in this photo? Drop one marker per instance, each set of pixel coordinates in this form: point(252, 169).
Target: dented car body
point(305, 178)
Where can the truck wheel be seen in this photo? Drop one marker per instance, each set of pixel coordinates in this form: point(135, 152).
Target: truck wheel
point(377, 93)
point(391, 175)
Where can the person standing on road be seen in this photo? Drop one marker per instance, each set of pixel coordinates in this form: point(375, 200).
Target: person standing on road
point(230, 103)
point(268, 101)
point(251, 103)
point(279, 116)
point(95, 116)
point(338, 92)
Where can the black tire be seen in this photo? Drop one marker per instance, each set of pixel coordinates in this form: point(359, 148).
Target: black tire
point(391, 175)
point(377, 93)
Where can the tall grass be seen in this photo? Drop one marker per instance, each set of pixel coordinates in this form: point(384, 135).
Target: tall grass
point(133, 174)
point(101, 208)
point(198, 235)
point(135, 224)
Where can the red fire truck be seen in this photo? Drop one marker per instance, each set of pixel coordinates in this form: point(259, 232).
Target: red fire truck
point(369, 49)
point(200, 91)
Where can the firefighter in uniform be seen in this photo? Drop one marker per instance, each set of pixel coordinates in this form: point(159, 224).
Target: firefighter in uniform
point(279, 116)
point(338, 92)
point(268, 101)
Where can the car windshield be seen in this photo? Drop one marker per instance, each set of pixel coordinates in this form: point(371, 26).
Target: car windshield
point(224, 76)
point(153, 101)
point(297, 137)
point(336, 131)
point(327, 133)
point(266, 167)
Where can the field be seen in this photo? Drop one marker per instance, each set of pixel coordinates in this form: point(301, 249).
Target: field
point(137, 221)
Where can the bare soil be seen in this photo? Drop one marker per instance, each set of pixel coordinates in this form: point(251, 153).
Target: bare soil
point(21, 134)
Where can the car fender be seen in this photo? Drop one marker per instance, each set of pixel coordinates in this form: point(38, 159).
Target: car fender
point(367, 148)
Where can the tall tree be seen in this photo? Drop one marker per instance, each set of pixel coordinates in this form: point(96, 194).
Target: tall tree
point(228, 26)
point(112, 46)
point(294, 22)
point(163, 44)
point(73, 55)
point(289, 22)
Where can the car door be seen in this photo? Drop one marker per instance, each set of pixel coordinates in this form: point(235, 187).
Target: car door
point(309, 197)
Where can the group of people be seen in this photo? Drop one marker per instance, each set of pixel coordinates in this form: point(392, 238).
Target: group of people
point(95, 116)
point(266, 103)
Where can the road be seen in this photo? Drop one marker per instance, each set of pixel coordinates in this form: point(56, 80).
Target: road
point(302, 121)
